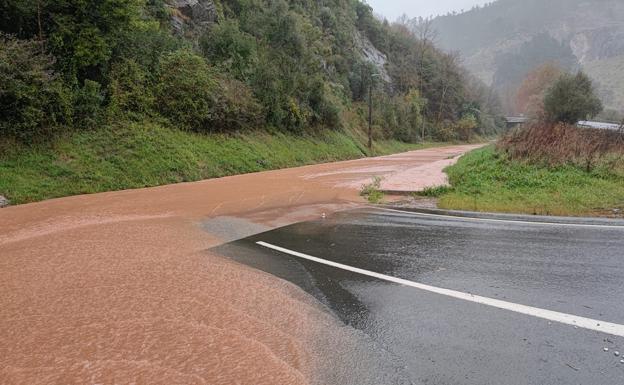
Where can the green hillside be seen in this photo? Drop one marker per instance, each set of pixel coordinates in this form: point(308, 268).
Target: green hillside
point(150, 154)
point(214, 71)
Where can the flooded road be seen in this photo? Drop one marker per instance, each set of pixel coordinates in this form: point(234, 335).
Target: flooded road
point(495, 300)
point(118, 287)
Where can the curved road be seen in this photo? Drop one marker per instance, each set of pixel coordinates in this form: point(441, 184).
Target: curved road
point(117, 287)
point(458, 300)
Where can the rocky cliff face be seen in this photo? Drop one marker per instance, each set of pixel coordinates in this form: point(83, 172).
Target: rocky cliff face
point(592, 30)
point(189, 15)
point(372, 55)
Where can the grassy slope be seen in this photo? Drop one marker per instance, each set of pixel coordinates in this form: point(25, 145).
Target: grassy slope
point(486, 181)
point(141, 155)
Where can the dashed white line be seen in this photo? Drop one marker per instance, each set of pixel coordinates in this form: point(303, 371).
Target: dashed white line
point(469, 219)
point(568, 319)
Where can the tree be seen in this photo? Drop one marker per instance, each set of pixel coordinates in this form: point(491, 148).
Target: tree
point(33, 100)
point(187, 90)
point(197, 97)
point(426, 34)
point(231, 48)
point(530, 96)
point(81, 34)
point(571, 98)
point(466, 126)
point(130, 89)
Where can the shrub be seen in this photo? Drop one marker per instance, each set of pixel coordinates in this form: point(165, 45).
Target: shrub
point(466, 126)
point(130, 89)
point(570, 99)
point(372, 192)
point(33, 100)
point(445, 132)
point(231, 48)
point(88, 101)
point(434, 191)
point(236, 107)
point(296, 115)
point(325, 108)
point(196, 97)
point(187, 90)
point(409, 116)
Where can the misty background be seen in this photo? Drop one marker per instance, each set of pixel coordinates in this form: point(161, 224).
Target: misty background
point(502, 42)
point(393, 9)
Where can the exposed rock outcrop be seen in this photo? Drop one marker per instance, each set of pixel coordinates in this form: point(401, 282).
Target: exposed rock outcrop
point(4, 202)
point(190, 15)
point(372, 55)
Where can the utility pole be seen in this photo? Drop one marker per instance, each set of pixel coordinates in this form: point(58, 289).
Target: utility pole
point(370, 115)
point(370, 111)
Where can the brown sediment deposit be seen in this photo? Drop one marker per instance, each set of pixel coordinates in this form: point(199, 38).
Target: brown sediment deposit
point(119, 287)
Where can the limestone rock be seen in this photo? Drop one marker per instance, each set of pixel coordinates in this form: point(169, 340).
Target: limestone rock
point(192, 14)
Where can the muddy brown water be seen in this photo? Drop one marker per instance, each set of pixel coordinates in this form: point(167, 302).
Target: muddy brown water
point(118, 287)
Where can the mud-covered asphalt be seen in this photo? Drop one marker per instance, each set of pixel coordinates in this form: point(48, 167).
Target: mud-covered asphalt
point(575, 267)
point(117, 287)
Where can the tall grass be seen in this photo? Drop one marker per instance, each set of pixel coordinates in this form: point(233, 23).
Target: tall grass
point(543, 169)
point(562, 144)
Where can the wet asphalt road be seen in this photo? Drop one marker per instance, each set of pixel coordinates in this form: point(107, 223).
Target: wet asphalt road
point(436, 339)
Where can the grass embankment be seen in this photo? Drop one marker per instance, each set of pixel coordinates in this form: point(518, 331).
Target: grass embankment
point(489, 180)
point(142, 155)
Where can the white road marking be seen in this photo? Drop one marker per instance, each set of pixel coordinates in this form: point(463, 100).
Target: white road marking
point(568, 319)
point(468, 219)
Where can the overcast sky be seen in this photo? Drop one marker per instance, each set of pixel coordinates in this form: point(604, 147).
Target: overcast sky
point(392, 9)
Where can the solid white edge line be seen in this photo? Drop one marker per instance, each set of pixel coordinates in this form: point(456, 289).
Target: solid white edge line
point(568, 319)
point(500, 220)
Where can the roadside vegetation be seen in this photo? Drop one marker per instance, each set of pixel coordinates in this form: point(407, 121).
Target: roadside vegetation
point(88, 86)
point(549, 167)
point(372, 191)
point(491, 180)
point(150, 154)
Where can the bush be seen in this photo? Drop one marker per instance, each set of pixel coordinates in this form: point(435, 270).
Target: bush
point(325, 108)
point(466, 126)
point(434, 191)
point(236, 107)
point(187, 90)
point(445, 132)
point(231, 48)
point(570, 99)
point(196, 97)
point(410, 118)
point(88, 102)
point(33, 100)
point(130, 89)
point(296, 115)
point(372, 192)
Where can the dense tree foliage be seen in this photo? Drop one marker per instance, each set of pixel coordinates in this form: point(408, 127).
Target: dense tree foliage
point(33, 100)
point(292, 65)
point(571, 98)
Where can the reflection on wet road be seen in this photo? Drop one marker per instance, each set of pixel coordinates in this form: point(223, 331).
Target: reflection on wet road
point(572, 269)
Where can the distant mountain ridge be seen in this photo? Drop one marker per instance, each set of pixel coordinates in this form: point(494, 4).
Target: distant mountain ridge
point(502, 41)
